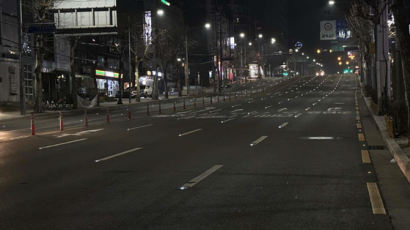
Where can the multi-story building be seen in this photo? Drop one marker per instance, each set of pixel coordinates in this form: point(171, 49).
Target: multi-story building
point(9, 52)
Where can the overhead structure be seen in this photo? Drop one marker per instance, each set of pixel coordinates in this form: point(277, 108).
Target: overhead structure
point(73, 17)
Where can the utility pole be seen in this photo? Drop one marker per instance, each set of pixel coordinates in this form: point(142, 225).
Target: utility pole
point(129, 60)
point(20, 48)
point(186, 63)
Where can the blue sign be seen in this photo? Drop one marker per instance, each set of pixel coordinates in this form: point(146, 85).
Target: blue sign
point(298, 45)
point(42, 28)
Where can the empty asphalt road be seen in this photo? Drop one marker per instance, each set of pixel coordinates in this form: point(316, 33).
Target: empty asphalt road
point(291, 155)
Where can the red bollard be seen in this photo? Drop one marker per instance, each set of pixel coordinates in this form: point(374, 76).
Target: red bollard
point(33, 127)
point(159, 108)
point(108, 116)
point(210, 100)
point(129, 113)
point(148, 114)
point(218, 99)
point(184, 105)
point(85, 118)
point(175, 107)
point(61, 122)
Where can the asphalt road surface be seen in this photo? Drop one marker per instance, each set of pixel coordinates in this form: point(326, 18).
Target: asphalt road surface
point(287, 156)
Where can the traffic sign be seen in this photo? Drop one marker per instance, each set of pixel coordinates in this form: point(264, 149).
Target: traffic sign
point(299, 45)
point(41, 28)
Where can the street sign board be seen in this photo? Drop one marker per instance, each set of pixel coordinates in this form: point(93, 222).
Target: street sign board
point(42, 28)
point(328, 30)
point(299, 45)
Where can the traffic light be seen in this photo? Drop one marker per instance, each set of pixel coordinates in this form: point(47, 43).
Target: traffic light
point(165, 2)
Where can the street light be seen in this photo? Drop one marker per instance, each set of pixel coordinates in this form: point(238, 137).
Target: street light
point(179, 59)
point(260, 36)
point(242, 35)
point(273, 40)
point(160, 12)
point(250, 43)
point(331, 3)
point(314, 60)
point(318, 51)
point(308, 57)
point(339, 58)
point(208, 26)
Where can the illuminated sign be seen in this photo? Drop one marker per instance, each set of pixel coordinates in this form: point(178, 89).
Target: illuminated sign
point(103, 73)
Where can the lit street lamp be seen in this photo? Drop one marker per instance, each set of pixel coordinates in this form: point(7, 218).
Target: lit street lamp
point(242, 35)
point(260, 36)
point(250, 43)
point(160, 12)
point(273, 41)
point(208, 26)
point(331, 2)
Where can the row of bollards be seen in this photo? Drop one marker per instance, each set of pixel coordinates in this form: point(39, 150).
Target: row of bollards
point(129, 114)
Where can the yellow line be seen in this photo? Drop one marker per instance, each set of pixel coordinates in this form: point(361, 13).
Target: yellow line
point(375, 199)
point(359, 125)
point(366, 157)
point(361, 137)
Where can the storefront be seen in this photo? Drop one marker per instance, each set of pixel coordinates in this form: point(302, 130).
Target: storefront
point(107, 82)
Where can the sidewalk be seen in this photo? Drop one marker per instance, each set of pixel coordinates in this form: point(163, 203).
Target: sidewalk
point(394, 186)
point(397, 147)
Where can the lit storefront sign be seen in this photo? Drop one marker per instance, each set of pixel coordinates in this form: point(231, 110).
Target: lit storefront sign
point(103, 73)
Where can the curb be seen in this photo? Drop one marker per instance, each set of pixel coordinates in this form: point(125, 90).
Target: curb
point(398, 154)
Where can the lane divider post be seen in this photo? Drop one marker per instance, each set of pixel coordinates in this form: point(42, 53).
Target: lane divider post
point(33, 127)
point(148, 114)
point(61, 121)
point(85, 118)
point(107, 119)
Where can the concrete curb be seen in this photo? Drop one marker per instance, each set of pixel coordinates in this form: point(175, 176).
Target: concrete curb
point(399, 155)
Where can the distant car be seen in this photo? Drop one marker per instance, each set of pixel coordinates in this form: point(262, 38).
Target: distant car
point(126, 93)
point(147, 91)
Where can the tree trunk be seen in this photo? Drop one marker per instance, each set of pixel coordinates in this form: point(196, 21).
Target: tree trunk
point(155, 93)
point(38, 104)
point(137, 78)
point(165, 81)
point(72, 72)
point(400, 14)
point(120, 81)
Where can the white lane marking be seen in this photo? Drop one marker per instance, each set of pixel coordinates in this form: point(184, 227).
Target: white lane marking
point(236, 106)
point(314, 104)
point(279, 102)
point(60, 144)
point(259, 140)
point(298, 115)
point(237, 110)
point(282, 109)
point(318, 138)
point(139, 127)
point(80, 133)
point(15, 138)
point(283, 125)
point(226, 121)
point(118, 154)
point(190, 132)
point(202, 176)
point(267, 107)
